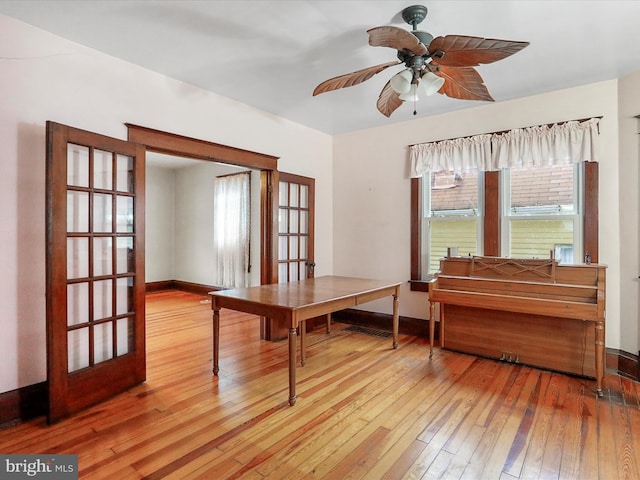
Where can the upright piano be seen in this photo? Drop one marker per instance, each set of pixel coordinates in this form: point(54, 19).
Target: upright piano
point(531, 311)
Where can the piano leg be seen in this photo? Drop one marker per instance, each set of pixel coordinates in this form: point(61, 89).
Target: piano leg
point(599, 334)
point(432, 326)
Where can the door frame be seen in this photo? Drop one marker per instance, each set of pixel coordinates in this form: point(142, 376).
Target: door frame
point(173, 144)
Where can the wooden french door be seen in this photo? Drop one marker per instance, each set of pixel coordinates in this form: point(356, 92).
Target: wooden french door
point(296, 195)
point(295, 247)
point(95, 268)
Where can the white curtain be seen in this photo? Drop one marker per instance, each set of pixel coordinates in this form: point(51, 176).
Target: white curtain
point(231, 231)
point(459, 154)
point(543, 145)
point(546, 146)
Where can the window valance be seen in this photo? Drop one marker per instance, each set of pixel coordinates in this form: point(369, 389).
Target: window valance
point(543, 145)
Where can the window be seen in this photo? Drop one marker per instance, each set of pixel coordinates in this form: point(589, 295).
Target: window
point(232, 229)
point(510, 219)
point(542, 212)
point(452, 209)
point(532, 212)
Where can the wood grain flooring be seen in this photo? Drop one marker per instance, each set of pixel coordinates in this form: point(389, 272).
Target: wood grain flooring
point(364, 411)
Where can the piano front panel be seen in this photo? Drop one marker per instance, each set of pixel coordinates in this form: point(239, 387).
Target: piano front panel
point(554, 343)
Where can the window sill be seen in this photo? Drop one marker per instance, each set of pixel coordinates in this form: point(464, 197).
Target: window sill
point(421, 285)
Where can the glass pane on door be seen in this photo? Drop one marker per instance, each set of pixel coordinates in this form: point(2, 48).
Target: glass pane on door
point(77, 165)
point(294, 227)
point(102, 169)
point(100, 209)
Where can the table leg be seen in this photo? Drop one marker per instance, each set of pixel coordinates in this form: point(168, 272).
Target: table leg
point(599, 334)
point(395, 319)
point(292, 366)
point(303, 336)
point(216, 340)
point(328, 323)
point(432, 326)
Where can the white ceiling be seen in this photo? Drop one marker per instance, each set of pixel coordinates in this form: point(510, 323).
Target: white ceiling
point(272, 54)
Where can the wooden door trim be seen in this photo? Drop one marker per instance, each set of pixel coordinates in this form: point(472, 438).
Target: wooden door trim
point(174, 144)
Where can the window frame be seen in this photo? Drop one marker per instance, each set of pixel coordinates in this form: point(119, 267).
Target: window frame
point(427, 219)
point(576, 216)
point(491, 221)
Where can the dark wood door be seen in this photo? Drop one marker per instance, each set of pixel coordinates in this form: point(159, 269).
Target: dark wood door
point(295, 248)
point(296, 196)
point(95, 268)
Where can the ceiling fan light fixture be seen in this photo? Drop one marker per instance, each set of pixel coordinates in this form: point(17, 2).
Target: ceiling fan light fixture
point(401, 82)
point(412, 95)
point(430, 83)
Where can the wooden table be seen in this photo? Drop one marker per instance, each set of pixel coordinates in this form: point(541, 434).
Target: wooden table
point(295, 302)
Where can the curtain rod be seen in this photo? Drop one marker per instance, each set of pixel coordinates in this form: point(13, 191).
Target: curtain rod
point(232, 174)
point(502, 132)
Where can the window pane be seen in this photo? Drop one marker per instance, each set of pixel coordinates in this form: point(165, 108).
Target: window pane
point(293, 194)
point(77, 211)
point(293, 221)
point(282, 248)
point(445, 234)
point(102, 214)
point(283, 270)
point(124, 296)
point(542, 190)
point(304, 221)
point(304, 196)
point(124, 173)
point(293, 272)
point(537, 238)
point(102, 299)
point(284, 194)
point(78, 349)
point(102, 342)
point(283, 220)
point(77, 303)
point(452, 211)
point(102, 256)
point(293, 248)
point(454, 193)
point(124, 208)
point(102, 169)
point(125, 260)
point(124, 336)
point(77, 165)
point(77, 257)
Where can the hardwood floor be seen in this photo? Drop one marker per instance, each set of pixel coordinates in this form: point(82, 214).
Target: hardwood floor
point(364, 411)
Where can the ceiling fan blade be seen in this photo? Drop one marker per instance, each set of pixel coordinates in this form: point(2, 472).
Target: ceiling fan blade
point(351, 79)
point(464, 51)
point(464, 83)
point(397, 38)
point(388, 101)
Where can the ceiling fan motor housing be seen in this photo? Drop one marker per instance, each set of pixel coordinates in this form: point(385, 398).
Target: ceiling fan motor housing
point(414, 14)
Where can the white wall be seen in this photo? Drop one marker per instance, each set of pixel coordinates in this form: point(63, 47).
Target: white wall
point(372, 189)
point(629, 175)
point(159, 219)
point(44, 77)
point(194, 257)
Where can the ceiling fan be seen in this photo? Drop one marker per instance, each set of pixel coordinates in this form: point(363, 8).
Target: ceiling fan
point(441, 64)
